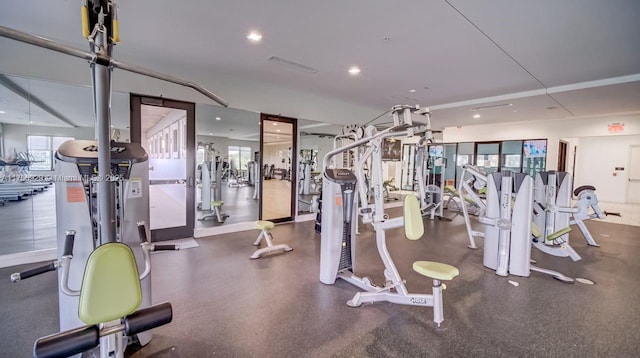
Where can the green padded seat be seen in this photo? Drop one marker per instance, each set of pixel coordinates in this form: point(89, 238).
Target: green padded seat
point(217, 203)
point(558, 233)
point(413, 225)
point(110, 286)
point(436, 270)
point(264, 225)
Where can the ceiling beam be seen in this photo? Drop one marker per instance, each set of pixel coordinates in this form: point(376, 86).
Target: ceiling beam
point(540, 92)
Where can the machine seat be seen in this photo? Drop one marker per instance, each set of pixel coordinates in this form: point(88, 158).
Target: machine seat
point(436, 270)
point(582, 188)
point(264, 225)
point(413, 230)
point(217, 204)
point(110, 286)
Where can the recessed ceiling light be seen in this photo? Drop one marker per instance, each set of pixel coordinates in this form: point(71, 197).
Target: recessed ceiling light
point(30, 122)
point(210, 133)
point(354, 70)
point(476, 116)
point(217, 118)
point(2, 112)
point(412, 91)
point(254, 36)
point(275, 123)
point(277, 130)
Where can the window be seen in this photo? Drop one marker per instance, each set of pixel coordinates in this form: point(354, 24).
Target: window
point(239, 157)
point(41, 149)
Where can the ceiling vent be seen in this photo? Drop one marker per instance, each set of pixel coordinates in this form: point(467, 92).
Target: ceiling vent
point(292, 65)
point(404, 99)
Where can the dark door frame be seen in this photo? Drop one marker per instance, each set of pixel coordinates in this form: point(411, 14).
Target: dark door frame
point(562, 156)
point(136, 101)
point(294, 163)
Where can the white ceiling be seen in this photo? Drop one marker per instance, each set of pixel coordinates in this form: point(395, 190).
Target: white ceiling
point(582, 57)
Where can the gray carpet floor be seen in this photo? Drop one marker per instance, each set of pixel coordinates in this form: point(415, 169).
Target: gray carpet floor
point(226, 305)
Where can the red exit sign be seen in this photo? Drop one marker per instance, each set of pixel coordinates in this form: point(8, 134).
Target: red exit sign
point(615, 127)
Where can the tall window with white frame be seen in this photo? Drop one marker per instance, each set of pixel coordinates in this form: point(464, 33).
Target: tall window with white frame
point(41, 148)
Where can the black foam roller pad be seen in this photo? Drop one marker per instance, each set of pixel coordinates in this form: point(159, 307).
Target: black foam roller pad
point(148, 318)
point(68, 343)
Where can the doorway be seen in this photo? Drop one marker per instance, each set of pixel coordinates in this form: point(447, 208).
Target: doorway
point(278, 145)
point(633, 178)
point(562, 156)
point(166, 130)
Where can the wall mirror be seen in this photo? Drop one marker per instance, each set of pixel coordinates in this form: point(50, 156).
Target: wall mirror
point(37, 116)
point(227, 166)
point(316, 140)
point(278, 163)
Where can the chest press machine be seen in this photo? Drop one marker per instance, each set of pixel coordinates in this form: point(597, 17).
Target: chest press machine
point(111, 287)
point(341, 189)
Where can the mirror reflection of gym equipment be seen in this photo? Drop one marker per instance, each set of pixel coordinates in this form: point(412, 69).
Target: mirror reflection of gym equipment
point(279, 179)
point(228, 137)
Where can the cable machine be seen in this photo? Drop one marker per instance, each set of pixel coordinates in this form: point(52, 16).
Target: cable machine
point(108, 189)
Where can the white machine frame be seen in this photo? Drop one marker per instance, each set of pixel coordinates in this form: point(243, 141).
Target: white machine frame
point(345, 200)
point(507, 219)
point(553, 205)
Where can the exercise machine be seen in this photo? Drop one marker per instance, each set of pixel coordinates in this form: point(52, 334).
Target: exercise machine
point(254, 177)
point(211, 185)
point(108, 302)
point(553, 209)
point(507, 222)
point(98, 203)
point(76, 161)
point(340, 194)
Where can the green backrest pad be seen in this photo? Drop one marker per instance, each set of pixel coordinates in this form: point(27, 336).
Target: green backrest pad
point(413, 225)
point(110, 286)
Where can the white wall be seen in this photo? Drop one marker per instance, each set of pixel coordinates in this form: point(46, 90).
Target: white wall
point(598, 150)
point(596, 160)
